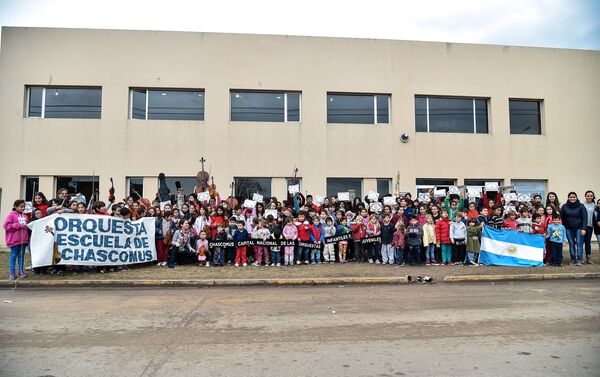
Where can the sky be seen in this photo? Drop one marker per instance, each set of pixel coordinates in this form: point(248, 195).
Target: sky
point(542, 23)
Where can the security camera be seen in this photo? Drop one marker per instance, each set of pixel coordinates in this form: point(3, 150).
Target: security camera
point(404, 138)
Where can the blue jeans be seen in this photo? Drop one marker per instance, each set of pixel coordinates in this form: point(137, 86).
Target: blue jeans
point(17, 252)
point(587, 240)
point(430, 252)
point(276, 257)
point(315, 255)
point(575, 244)
point(399, 255)
point(219, 256)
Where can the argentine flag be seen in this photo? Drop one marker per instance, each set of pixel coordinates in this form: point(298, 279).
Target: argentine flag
point(511, 248)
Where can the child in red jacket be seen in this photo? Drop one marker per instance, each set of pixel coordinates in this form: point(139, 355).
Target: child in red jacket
point(302, 253)
point(359, 231)
point(442, 235)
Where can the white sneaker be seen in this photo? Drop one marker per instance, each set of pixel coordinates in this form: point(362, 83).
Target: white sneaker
point(237, 265)
point(298, 262)
point(245, 265)
point(371, 261)
point(278, 264)
point(305, 262)
point(377, 261)
point(207, 264)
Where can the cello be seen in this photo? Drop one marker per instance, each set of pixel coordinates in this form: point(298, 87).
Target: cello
point(202, 179)
point(232, 201)
point(213, 188)
point(111, 192)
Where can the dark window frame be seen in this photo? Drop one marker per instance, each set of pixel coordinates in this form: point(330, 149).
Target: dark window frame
point(474, 113)
point(42, 110)
point(147, 91)
point(331, 193)
point(375, 106)
point(286, 107)
point(539, 103)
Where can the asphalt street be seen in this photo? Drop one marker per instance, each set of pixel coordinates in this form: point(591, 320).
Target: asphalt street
point(521, 329)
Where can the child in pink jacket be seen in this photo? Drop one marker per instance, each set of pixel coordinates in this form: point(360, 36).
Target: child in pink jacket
point(17, 237)
point(290, 232)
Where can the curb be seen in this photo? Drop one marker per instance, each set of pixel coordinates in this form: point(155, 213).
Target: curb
point(200, 282)
point(526, 277)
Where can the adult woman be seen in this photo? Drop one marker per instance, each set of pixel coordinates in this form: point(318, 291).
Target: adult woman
point(552, 199)
point(40, 202)
point(574, 218)
point(590, 206)
point(596, 221)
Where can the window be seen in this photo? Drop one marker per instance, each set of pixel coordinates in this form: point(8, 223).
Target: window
point(426, 184)
point(245, 187)
point(65, 103)
point(30, 186)
point(351, 185)
point(523, 186)
point(84, 185)
point(454, 115)
point(167, 104)
point(358, 108)
point(186, 183)
point(525, 117)
point(248, 106)
point(135, 184)
point(383, 186)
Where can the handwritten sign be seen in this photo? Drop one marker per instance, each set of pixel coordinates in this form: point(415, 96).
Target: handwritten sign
point(344, 196)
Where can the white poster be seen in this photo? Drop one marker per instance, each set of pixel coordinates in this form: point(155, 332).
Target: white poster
point(249, 203)
point(318, 199)
point(204, 196)
point(373, 196)
point(257, 197)
point(491, 186)
point(474, 191)
point(344, 196)
point(454, 190)
point(272, 212)
point(439, 193)
point(389, 200)
point(424, 197)
point(294, 189)
point(91, 240)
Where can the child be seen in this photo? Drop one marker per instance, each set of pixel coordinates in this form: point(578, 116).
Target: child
point(275, 231)
point(442, 236)
point(303, 235)
point(17, 238)
point(218, 252)
point(163, 234)
point(329, 249)
point(429, 240)
point(458, 236)
point(496, 221)
point(316, 236)
point(398, 243)
point(387, 237)
point(454, 206)
point(373, 229)
point(483, 217)
point(202, 248)
point(181, 248)
point(342, 228)
point(524, 222)
point(414, 236)
point(359, 232)
point(241, 234)
point(230, 231)
point(537, 224)
point(473, 245)
point(262, 252)
point(556, 234)
point(290, 232)
point(511, 220)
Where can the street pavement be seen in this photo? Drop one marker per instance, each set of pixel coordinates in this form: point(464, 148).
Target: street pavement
point(520, 329)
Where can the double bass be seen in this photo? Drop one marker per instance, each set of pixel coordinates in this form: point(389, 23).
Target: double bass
point(232, 201)
point(202, 179)
point(111, 192)
point(297, 199)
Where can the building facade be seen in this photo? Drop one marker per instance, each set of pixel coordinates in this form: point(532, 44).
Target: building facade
point(359, 115)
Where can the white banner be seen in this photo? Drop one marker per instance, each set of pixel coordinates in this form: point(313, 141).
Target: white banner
point(91, 240)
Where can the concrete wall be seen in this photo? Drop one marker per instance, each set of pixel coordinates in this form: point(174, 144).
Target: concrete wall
point(568, 82)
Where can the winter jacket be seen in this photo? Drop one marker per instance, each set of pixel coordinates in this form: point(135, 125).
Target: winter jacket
point(373, 229)
point(359, 231)
point(290, 232)
point(442, 231)
point(596, 220)
point(398, 240)
point(214, 221)
point(414, 235)
point(458, 230)
point(329, 231)
point(473, 236)
point(428, 234)
point(316, 233)
point(240, 235)
point(303, 231)
point(263, 233)
point(16, 230)
point(387, 233)
point(573, 215)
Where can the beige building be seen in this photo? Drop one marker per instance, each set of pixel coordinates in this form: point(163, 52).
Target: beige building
point(131, 104)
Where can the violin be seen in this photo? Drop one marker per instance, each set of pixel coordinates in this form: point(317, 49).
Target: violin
point(143, 201)
point(111, 192)
point(232, 201)
point(213, 188)
point(202, 179)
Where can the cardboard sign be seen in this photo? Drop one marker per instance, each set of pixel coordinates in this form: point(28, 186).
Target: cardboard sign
point(474, 191)
point(511, 197)
point(454, 190)
point(28, 207)
point(524, 197)
point(294, 189)
point(272, 212)
point(78, 198)
point(257, 197)
point(439, 193)
point(318, 199)
point(373, 196)
point(424, 197)
point(491, 186)
point(204, 196)
point(389, 200)
point(249, 203)
point(376, 207)
point(344, 196)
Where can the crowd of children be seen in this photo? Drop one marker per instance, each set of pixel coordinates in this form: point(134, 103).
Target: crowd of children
point(437, 231)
